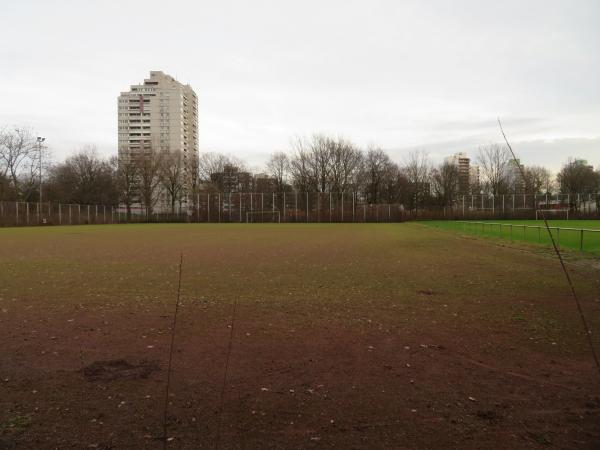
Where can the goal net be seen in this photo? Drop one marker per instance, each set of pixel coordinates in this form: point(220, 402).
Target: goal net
point(263, 216)
point(557, 213)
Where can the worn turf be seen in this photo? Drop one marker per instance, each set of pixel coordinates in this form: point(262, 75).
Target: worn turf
point(346, 336)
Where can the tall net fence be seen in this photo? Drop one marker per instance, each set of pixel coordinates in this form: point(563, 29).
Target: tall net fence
point(303, 207)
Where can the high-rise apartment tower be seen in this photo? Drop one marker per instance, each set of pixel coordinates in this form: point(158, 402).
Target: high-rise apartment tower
point(160, 115)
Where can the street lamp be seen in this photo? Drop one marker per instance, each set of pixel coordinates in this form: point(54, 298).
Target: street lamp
point(40, 140)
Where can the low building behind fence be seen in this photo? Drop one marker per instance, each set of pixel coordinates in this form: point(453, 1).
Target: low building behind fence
point(302, 207)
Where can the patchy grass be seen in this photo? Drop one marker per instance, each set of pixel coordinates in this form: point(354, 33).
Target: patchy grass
point(532, 232)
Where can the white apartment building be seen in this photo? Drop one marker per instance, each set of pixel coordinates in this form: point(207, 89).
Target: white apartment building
point(161, 114)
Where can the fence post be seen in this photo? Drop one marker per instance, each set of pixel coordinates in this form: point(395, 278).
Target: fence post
point(581, 240)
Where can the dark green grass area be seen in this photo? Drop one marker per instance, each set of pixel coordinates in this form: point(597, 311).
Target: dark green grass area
point(567, 233)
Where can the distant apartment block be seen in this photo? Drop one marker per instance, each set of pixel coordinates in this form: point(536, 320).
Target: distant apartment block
point(161, 114)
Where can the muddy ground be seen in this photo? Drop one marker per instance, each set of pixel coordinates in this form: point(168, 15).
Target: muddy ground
point(345, 336)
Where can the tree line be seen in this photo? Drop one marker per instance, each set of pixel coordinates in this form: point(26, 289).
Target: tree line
point(320, 163)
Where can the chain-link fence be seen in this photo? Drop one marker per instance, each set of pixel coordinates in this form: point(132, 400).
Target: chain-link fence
point(303, 207)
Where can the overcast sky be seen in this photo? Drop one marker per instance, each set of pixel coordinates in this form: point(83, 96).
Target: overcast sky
point(400, 74)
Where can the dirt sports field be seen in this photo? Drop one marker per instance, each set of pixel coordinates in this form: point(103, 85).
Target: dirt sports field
point(397, 336)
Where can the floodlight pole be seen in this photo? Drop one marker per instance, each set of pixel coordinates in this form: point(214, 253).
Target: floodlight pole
point(39, 141)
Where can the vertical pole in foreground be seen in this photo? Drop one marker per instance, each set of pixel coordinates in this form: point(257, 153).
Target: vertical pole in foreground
point(581, 240)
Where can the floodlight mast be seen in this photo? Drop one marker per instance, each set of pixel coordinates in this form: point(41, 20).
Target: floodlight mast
point(40, 140)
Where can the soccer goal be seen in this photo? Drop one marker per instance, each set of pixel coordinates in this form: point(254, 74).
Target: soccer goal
point(263, 216)
point(557, 213)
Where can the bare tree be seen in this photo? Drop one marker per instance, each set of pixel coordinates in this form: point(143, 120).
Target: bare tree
point(493, 161)
point(17, 153)
point(445, 183)
point(172, 177)
point(278, 167)
point(417, 169)
point(149, 168)
point(301, 167)
point(127, 183)
point(576, 176)
point(84, 178)
point(538, 180)
point(345, 161)
point(210, 163)
point(375, 169)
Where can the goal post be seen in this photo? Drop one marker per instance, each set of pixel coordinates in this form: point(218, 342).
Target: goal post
point(556, 213)
point(268, 216)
